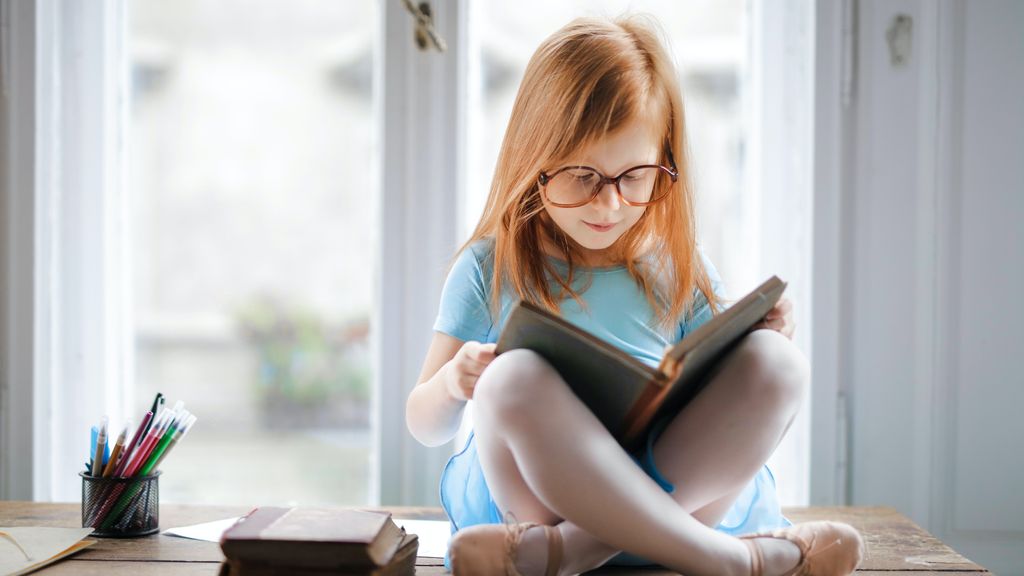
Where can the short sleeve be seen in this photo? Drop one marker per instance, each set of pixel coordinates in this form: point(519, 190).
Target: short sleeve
point(463, 312)
point(701, 309)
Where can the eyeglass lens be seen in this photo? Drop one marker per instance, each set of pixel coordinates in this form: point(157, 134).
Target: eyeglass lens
point(575, 185)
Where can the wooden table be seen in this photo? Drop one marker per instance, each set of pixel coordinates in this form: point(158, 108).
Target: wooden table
point(895, 544)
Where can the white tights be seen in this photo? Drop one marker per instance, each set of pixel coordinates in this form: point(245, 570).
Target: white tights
point(548, 459)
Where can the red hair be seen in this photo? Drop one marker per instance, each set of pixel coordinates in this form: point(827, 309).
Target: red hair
point(584, 82)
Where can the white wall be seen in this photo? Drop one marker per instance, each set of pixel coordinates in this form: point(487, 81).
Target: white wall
point(932, 265)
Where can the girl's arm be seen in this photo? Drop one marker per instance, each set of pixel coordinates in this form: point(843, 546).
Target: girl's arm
point(433, 410)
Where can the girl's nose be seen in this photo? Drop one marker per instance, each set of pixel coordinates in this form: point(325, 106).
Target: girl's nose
point(608, 195)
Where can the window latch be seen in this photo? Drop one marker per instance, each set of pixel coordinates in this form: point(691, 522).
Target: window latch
point(424, 34)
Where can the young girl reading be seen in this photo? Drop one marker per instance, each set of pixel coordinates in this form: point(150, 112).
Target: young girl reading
point(590, 214)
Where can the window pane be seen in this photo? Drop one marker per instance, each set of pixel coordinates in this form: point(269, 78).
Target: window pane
point(709, 45)
point(252, 204)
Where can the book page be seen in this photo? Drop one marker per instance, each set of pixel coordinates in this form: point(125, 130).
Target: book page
point(27, 548)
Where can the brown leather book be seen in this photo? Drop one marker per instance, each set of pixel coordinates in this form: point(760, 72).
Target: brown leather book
point(340, 539)
point(403, 563)
point(625, 394)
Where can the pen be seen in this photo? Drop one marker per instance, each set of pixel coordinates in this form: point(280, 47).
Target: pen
point(147, 444)
point(165, 440)
point(174, 441)
point(93, 433)
point(130, 449)
point(101, 446)
point(118, 446)
point(156, 437)
point(158, 402)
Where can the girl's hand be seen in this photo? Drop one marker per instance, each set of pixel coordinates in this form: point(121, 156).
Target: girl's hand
point(779, 318)
point(467, 365)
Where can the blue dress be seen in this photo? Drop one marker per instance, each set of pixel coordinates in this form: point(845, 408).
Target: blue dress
point(617, 311)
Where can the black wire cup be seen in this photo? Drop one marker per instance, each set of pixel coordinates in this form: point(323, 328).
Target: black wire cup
point(121, 507)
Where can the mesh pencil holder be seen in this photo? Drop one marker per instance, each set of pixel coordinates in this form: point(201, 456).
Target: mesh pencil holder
point(121, 507)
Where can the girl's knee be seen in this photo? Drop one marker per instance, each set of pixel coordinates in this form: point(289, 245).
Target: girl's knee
point(779, 371)
point(513, 380)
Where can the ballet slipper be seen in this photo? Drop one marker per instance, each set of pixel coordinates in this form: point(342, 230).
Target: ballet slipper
point(491, 549)
point(826, 548)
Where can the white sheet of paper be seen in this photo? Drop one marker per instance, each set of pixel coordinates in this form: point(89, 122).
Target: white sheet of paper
point(433, 535)
point(208, 531)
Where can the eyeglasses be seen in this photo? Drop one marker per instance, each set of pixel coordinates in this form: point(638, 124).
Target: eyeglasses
point(573, 186)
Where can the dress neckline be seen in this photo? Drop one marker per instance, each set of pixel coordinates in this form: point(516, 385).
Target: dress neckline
point(597, 269)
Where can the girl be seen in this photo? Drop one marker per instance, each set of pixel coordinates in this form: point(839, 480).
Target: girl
point(591, 215)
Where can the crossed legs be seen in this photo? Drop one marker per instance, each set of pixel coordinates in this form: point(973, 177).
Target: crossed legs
point(548, 459)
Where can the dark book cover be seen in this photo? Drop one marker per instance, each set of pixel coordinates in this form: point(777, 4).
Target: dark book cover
point(625, 394)
point(403, 563)
point(315, 538)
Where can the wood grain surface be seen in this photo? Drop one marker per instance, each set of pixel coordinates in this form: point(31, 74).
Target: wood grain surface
point(895, 544)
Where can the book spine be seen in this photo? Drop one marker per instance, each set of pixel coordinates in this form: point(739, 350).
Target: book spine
point(641, 413)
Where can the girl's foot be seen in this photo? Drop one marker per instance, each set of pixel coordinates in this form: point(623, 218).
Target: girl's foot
point(533, 551)
point(778, 556)
point(510, 549)
point(825, 549)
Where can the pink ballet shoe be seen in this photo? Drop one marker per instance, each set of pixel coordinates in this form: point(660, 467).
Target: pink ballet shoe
point(826, 548)
point(490, 549)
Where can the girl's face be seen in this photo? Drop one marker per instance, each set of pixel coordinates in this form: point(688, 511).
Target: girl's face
point(632, 145)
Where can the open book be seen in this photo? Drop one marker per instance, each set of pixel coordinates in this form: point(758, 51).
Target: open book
point(25, 549)
point(625, 394)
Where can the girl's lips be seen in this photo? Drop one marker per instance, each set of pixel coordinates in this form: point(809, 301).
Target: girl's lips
point(598, 228)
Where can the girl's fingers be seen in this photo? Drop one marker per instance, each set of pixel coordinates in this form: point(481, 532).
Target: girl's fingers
point(471, 360)
point(467, 385)
point(484, 352)
point(781, 309)
point(476, 369)
point(776, 324)
point(483, 358)
point(472, 366)
point(477, 353)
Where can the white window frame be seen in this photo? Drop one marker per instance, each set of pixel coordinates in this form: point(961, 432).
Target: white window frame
point(64, 337)
point(831, 145)
point(422, 177)
point(67, 337)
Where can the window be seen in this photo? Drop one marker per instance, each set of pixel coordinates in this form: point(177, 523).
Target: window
point(249, 141)
point(240, 265)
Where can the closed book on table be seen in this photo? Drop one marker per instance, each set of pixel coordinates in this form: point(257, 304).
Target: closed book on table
point(356, 541)
point(403, 563)
point(625, 394)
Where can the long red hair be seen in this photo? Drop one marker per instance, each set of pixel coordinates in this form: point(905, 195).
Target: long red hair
point(584, 82)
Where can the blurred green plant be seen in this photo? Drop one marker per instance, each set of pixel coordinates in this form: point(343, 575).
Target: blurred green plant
point(303, 358)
